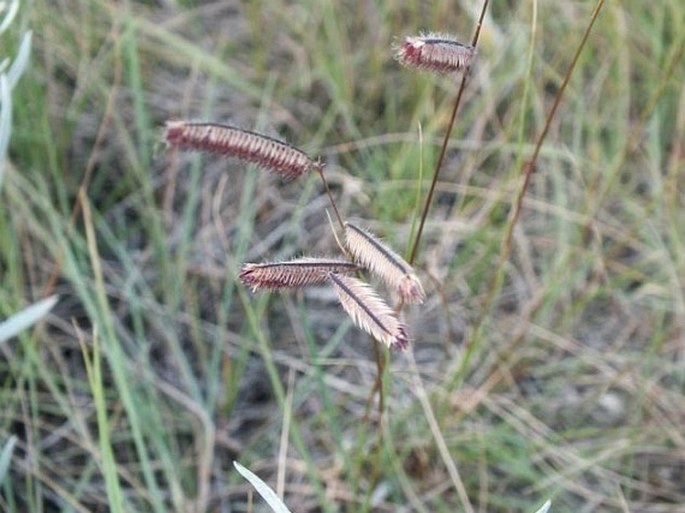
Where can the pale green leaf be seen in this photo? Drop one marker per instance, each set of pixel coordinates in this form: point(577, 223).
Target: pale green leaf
point(545, 507)
point(6, 457)
point(26, 318)
point(263, 489)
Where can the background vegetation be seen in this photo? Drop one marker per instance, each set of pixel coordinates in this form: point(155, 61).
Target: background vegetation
point(156, 369)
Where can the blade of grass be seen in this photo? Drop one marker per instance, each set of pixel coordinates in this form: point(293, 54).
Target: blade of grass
point(6, 457)
point(116, 357)
point(263, 489)
point(26, 318)
point(108, 462)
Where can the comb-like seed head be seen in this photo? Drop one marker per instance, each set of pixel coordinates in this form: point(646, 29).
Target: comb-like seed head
point(369, 312)
point(230, 141)
point(299, 272)
point(440, 53)
point(380, 259)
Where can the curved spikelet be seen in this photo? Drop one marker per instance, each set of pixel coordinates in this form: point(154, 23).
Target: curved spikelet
point(265, 151)
point(390, 267)
point(440, 53)
point(299, 272)
point(369, 311)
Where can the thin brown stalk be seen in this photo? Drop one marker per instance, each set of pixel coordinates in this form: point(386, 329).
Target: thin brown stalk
point(529, 167)
point(528, 171)
point(381, 260)
point(374, 473)
point(369, 312)
point(330, 197)
point(299, 272)
point(443, 149)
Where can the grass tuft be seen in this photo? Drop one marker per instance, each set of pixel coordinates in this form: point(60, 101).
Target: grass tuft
point(157, 369)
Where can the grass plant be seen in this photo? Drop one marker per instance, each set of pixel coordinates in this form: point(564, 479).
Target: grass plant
point(546, 360)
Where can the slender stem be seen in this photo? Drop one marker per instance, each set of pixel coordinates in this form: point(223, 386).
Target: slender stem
point(448, 133)
point(330, 197)
point(378, 386)
point(529, 169)
point(443, 150)
point(560, 92)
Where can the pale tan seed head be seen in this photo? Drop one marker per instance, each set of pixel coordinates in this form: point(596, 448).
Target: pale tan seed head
point(369, 312)
point(230, 141)
point(380, 259)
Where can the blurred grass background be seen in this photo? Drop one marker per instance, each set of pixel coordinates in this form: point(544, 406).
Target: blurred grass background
point(156, 369)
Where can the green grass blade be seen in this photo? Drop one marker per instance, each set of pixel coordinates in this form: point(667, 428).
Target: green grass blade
point(108, 461)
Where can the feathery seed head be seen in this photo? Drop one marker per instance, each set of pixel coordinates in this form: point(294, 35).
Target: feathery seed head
point(380, 259)
point(369, 312)
point(230, 141)
point(299, 272)
point(410, 289)
point(440, 53)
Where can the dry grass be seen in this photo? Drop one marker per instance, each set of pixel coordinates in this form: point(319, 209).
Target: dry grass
point(573, 385)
